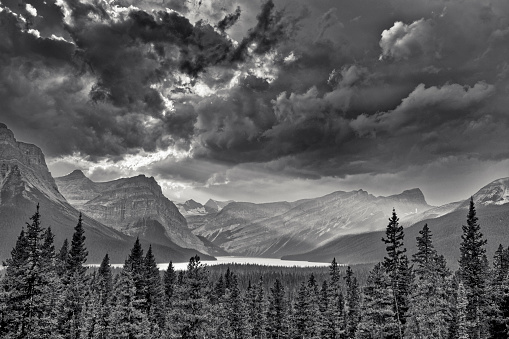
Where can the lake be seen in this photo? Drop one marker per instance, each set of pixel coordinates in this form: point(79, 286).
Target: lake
point(242, 260)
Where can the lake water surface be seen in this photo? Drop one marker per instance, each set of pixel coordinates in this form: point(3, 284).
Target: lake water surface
point(241, 260)
point(248, 260)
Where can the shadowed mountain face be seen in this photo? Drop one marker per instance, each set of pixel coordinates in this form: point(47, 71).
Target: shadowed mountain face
point(130, 205)
point(444, 222)
point(26, 181)
point(281, 228)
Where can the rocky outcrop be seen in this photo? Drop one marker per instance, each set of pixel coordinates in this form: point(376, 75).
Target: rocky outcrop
point(27, 160)
point(123, 203)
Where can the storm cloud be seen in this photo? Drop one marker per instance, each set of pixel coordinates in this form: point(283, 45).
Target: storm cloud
point(302, 89)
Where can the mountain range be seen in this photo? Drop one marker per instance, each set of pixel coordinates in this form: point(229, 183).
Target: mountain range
point(25, 181)
point(345, 225)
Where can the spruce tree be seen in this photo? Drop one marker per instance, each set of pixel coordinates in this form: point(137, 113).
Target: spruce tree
point(191, 312)
point(75, 286)
point(127, 320)
point(473, 271)
point(61, 259)
point(169, 282)
point(103, 295)
point(154, 294)
point(28, 284)
point(429, 312)
point(257, 311)
point(135, 263)
point(396, 265)
point(377, 309)
point(277, 312)
point(352, 304)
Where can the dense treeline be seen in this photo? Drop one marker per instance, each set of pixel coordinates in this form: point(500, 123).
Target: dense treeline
point(50, 294)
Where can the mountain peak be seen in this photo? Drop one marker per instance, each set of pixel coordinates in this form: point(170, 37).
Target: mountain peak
point(76, 174)
point(413, 194)
point(6, 134)
point(495, 193)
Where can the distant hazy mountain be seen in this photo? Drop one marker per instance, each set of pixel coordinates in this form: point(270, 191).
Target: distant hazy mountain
point(26, 181)
point(134, 206)
point(191, 207)
point(280, 228)
point(213, 206)
point(445, 222)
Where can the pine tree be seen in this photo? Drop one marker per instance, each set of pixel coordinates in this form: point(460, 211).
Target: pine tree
point(497, 319)
point(352, 304)
point(191, 312)
point(236, 310)
point(103, 294)
point(61, 259)
point(473, 271)
point(277, 317)
point(169, 281)
point(257, 311)
point(13, 288)
point(462, 304)
point(377, 309)
point(27, 286)
point(154, 295)
point(396, 265)
point(333, 321)
point(75, 283)
point(136, 264)
point(429, 311)
point(127, 320)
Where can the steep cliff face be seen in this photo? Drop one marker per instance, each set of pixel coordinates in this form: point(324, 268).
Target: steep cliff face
point(130, 205)
point(27, 161)
point(25, 181)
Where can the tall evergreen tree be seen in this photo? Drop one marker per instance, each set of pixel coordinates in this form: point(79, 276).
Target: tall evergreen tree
point(396, 265)
point(127, 321)
point(154, 293)
point(103, 294)
point(377, 309)
point(61, 259)
point(429, 312)
point(257, 310)
point(473, 271)
point(135, 262)
point(333, 323)
point(75, 286)
point(191, 312)
point(169, 282)
point(352, 304)
point(27, 286)
point(277, 312)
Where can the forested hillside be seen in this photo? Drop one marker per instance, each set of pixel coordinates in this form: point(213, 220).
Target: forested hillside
point(49, 293)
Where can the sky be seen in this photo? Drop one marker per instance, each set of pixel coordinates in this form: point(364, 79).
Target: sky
point(263, 100)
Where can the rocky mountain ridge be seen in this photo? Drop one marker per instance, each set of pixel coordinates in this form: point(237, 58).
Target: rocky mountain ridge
point(276, 229)
point(25, 181)
point(444, 222)
point(130, 205)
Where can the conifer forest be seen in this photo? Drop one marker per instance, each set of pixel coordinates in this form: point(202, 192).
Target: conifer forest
point(47, 292)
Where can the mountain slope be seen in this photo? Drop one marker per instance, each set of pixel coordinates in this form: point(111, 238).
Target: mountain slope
point(281, 228)
point(446, 228)
point(130, 205)
point(26, 181)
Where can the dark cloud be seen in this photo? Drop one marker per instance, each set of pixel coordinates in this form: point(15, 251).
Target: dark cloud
point(229, 20)
point(379, 86)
